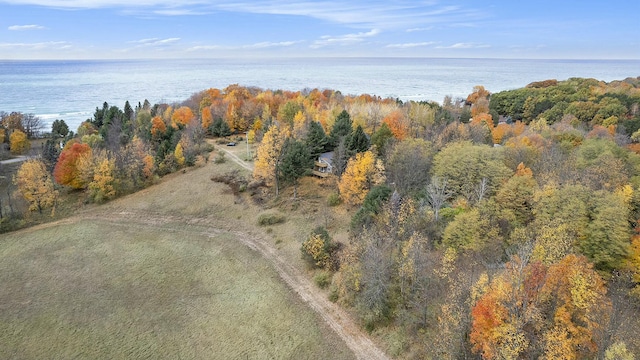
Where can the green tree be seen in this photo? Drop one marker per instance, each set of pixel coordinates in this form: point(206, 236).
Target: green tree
point(381, 138)
point(220, 128)
point(358, 141)
point(471, 171)
point(342, 127)
point(607, 235)
point(59, 129)
point(296, 162)
point(316, 140)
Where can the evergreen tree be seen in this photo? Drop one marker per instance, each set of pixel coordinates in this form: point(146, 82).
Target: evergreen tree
point(342, 127)
point(381, 139)
point(296, 162)
point(358, 141)
point(59, 129)
point(316, 140)
point(220, 128)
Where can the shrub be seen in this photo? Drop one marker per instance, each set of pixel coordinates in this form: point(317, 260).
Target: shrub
point(334, 199)
point(319, 250)
point(271, 219)
point(219, 158)
point(322, 279)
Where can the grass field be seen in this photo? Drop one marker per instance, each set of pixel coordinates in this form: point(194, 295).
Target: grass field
point(159, 274)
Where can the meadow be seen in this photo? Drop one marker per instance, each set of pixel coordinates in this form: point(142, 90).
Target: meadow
point(161, 273)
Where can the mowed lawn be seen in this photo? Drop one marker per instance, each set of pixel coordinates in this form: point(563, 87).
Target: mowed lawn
point(94, 288)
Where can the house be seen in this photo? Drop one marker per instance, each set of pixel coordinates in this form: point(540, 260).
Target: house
point(323, 167)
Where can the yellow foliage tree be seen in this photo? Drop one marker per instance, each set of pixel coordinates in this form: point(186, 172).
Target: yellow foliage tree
point(269, 154)
point(18, 142)
point(179, 154)
point(35, 184)
point(299, 125)
point(103, 185)
point(362, 172)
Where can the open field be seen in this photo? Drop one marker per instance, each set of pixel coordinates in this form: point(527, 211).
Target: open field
point(178, 270)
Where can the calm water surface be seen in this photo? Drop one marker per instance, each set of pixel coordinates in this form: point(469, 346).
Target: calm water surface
point(71, 90)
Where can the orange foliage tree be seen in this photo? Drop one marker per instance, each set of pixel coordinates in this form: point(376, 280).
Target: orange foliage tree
point(66, 171)
point(182, 116)
point(397, 123)
point(557, 310)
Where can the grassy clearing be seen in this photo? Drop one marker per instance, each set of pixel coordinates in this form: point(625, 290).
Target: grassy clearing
point(98, 290)
point(145, 277)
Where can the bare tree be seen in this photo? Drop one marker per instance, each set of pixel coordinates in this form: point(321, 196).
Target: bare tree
point(437, 195)
point(32, 125)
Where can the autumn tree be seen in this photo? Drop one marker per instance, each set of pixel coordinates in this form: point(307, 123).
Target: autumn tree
point(179, 155)
point(35, 185)
point(19, 143)
point(269, 156)
point(362, 172)
point(103, 186)
point(397, 123)
point(66, 171)
point(531, 310)
point(182, 116)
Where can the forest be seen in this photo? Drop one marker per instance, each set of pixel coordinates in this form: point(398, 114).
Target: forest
point(500, 226)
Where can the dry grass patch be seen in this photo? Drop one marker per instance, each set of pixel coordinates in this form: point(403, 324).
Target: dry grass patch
point(107, 290)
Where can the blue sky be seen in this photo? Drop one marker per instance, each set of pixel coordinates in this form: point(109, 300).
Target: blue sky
point(122, 29)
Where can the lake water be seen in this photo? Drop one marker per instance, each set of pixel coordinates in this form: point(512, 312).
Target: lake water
point(71, 90)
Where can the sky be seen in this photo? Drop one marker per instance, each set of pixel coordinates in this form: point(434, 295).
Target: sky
point(132, 29)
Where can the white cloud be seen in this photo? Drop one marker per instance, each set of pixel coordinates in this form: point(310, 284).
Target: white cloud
point(411, 45)
point(465, 46)
point(379, 14)
point(268, 44)
point(25, 27)
point(51, 45)
point(346, 39)
point(420, 29)
point(260, 45)
point(154, 42)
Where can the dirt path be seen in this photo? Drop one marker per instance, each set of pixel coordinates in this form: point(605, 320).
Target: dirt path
point(236, 159)
point(337, 318)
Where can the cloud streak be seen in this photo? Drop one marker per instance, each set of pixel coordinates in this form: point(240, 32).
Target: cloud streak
point(50, 45)
point(25, 27)
point(465, 46)
point(412, 45)
point(342, 40)
point(357, 13)
point(256, 46)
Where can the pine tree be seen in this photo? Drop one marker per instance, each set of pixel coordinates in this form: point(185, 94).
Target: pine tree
point(358, 141)
point(296, 162)
point(342, 127)
point(316, 140)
